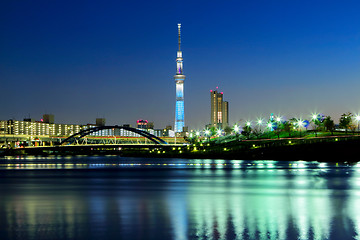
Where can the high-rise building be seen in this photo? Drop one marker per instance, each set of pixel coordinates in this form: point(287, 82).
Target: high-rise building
point(100, 122)
point(150, 125)
point(219, 109)
point(179, 80)
point(48, 118)
point(142, 124)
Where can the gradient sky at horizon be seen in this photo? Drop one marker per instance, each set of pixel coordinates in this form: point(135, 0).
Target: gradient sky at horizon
point(80, 60)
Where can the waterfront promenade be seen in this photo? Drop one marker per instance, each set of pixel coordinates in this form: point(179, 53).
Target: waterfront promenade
point(329, 148)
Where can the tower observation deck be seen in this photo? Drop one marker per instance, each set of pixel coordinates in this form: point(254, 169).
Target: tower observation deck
point(179, 81)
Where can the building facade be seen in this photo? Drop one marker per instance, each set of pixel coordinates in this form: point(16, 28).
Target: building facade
point(48, 118)
point(29, 128)
point(100, 122)
point(15, 127)
point(219, 109)
point(179, 81)
point(142, 124)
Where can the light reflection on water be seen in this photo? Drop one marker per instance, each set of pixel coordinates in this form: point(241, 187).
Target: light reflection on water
point(116, 198)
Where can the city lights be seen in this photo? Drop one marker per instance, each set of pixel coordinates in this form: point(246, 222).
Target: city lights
point(207, 132)
point(236, 128)
point(357, 118)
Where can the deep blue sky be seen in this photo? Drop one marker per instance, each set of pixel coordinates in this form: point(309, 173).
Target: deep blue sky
point(116, 59)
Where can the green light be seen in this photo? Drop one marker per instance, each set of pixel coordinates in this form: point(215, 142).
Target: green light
point(248, 124)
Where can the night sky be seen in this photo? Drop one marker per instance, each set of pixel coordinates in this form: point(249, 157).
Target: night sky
point(80, 60)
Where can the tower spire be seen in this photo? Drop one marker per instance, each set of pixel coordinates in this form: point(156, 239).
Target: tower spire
point(179, 30)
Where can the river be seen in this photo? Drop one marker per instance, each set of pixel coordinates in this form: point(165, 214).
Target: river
point(111, 197)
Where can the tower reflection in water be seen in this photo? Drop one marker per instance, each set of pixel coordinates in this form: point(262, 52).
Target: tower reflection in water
point(263, 201)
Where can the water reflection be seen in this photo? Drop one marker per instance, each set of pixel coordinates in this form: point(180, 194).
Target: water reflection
point(167, 199)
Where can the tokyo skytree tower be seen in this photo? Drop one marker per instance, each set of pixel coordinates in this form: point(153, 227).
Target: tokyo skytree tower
point(179, 80)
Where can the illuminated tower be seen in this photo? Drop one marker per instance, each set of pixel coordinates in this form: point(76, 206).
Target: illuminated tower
point(179, 80)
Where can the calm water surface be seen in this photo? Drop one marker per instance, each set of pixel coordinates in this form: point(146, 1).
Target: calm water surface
point(138, 198)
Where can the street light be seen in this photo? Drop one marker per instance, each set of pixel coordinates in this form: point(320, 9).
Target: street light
point(315, 119)
point(358, 120)
point(270, 126)
point(260, 122)
point(236, 128)
point(207, 132)
point(300, 124)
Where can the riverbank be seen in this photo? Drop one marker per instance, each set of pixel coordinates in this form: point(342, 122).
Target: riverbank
point(328, 149)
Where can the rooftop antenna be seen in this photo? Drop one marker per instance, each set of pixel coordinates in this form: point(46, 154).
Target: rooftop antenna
point(179, 30)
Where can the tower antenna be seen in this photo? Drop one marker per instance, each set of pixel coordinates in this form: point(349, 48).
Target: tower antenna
point(179, 30)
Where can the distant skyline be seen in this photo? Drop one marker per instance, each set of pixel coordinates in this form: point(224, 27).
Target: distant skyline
point(87, 59)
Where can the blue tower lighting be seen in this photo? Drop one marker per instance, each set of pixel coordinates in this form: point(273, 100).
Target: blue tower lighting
point(179, 80)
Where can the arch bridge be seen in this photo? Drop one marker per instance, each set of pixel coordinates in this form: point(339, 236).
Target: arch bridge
point(77, 136)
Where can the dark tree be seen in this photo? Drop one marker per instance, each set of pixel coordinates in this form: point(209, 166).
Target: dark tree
point(212, 131)
point(256, 132)
point(227, 130)
point(246, 131)
point(287, 126)
point(279, 128)
point(345, 121)
point(318, 121)
point(329, 124)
